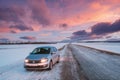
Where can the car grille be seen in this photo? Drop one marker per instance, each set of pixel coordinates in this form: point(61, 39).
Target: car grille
point(34, 61)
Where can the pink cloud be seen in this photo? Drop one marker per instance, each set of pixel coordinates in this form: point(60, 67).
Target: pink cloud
point(40, 11)
point(94, 11)
point(56, 15)
point(74, 12)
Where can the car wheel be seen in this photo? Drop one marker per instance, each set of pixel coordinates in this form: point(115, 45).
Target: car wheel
point(50, 65)
point(27, 69)
point(58, 59)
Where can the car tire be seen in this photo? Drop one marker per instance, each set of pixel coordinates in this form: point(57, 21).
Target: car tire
point(58, 59)
point(27, 69)
point(50, 65)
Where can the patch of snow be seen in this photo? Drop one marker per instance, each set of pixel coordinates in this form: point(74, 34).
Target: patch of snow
point(113, 47)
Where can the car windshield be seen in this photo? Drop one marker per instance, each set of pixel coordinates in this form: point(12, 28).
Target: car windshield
point(44, 50)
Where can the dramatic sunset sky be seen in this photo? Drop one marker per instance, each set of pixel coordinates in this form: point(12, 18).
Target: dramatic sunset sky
point(57, 20)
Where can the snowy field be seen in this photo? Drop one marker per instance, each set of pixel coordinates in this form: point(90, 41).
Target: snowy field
point(12, 60)
point(10, 54)
point(113, 47)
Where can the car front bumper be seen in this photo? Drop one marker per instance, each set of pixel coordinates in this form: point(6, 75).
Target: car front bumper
point(36, 65)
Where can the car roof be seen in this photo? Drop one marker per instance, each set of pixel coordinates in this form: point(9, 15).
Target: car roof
point(46, 47)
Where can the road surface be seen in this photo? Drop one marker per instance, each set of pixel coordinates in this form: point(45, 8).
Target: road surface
point(97, 65)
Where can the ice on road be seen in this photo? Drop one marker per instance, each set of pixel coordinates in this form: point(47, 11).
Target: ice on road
point(97, 65)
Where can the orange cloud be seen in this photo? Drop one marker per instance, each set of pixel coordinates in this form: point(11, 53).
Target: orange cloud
point(95, 5)
point(5, 29)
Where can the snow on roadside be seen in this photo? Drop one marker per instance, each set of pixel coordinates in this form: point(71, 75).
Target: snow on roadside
point(16, 71)
point(19, 73)
point(112, 47)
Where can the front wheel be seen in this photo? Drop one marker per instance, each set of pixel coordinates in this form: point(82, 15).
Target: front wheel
point(50, 65)
point(28, 69)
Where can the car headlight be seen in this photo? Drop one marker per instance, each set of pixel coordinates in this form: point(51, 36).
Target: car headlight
point(44, 60)
point(26, 60)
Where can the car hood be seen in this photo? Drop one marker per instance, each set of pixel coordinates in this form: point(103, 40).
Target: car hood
point(37, 56)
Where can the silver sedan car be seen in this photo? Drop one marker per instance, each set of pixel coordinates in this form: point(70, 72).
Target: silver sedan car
point(42, 58)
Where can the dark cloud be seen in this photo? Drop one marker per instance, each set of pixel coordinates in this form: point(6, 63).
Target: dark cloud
point(115, 26)
point(13, 31)
point(63, 25)
point(106, 28)
point(12, 10)
point(81, 35)
point(4, 39)
point(28, 38)
point(11, 14)
point(83, 32)
point(40, 11)
point(21, 27)
point(8, 14)
point(7, 3)
point(101, 28)
point(97, 31)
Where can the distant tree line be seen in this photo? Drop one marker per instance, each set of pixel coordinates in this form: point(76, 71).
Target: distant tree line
point(8, 43)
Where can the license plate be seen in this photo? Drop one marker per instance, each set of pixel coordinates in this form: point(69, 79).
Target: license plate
point(33, 64)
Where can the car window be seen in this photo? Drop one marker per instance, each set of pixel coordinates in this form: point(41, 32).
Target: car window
point(55, 49)
point(41, 51)
point(52, 50)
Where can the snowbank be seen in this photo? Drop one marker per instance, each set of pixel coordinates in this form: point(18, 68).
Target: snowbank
point(112, 47)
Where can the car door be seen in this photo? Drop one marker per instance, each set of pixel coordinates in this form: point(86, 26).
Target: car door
point(53, 54)
point(56, 55)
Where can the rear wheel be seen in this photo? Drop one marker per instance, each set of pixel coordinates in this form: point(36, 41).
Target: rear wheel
point(58, 59)
point(50, 65)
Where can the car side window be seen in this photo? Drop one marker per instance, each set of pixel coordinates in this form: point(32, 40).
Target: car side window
point(55, 49)
point(52, 50)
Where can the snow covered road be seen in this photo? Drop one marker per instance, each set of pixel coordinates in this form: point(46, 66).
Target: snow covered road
point(97, 65)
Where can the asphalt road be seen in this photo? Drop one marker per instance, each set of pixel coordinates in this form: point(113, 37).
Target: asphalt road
point(95, 64)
